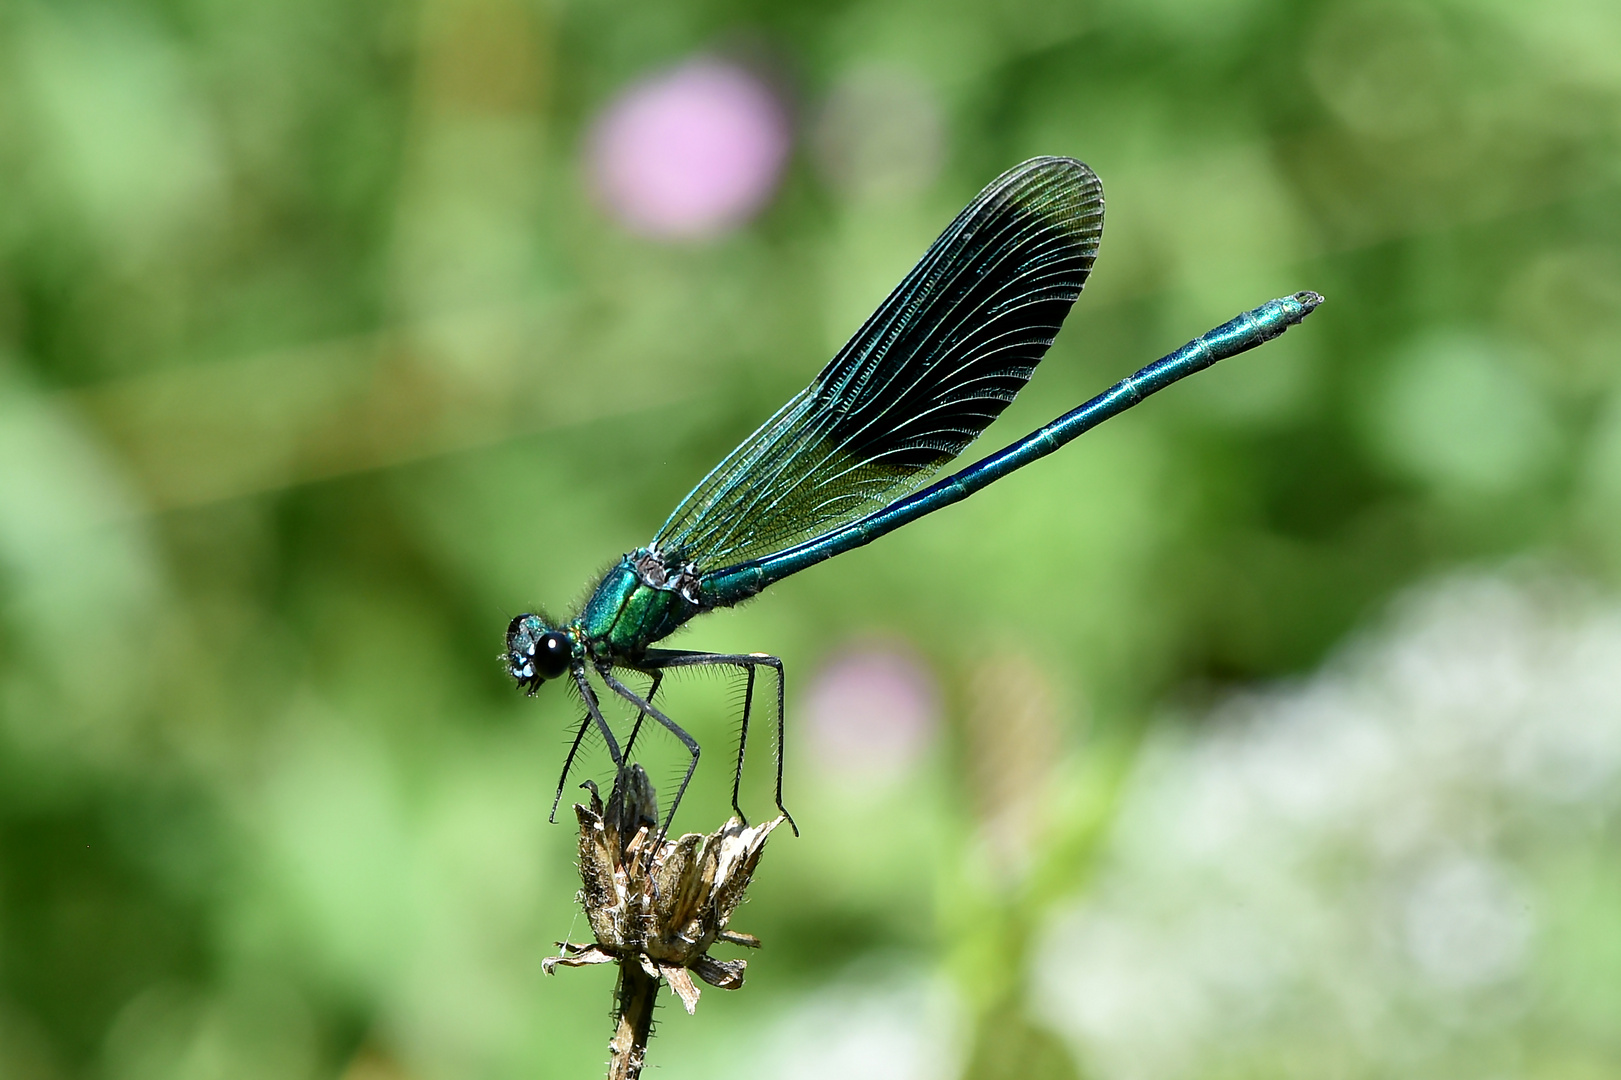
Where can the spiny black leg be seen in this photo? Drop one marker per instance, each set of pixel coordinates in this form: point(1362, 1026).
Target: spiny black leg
point(595, 710)
point(658, 677)
point(781, 695)
point(670, 658)
point(674, 728)
point(742, 744)
point(568, 763)
point(776, 665)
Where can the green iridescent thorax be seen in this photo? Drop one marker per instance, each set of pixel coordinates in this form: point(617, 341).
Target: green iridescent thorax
point(635, 604)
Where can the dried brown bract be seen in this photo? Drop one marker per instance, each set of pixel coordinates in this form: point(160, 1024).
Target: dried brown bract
point(657, 907)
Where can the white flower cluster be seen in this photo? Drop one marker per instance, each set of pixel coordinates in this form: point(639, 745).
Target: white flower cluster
point(1404, 866)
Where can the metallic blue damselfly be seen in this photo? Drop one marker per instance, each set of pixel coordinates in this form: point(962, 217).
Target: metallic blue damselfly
point(847, 459)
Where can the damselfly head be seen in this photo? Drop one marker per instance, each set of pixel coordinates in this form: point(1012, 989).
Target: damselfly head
point(536, 652)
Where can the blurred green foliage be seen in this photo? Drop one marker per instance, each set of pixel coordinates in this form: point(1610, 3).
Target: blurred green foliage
point(318, 362)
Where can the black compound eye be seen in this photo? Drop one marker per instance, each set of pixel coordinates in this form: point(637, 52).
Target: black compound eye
point(552, 651)
point(535, 652)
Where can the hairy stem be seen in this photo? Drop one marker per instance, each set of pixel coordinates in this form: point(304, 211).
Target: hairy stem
point(637, 992)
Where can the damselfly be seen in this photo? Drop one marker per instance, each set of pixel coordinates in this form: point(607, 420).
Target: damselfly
point(846, 460)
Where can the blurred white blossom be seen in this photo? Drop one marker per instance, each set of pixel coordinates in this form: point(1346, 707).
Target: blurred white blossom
point(1384, 866)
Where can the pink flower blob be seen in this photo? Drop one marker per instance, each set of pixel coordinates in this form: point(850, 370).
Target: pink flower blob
point(872, 712)
point(689, 153)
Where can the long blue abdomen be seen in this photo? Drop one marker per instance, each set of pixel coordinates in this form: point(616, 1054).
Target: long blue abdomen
point(737, 583)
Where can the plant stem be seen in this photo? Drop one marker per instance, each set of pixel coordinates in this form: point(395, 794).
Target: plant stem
point(637, 993)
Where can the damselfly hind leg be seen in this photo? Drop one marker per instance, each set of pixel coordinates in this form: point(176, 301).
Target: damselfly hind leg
point(749, 662)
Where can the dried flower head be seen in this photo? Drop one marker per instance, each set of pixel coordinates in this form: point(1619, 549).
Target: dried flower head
point(661, 904)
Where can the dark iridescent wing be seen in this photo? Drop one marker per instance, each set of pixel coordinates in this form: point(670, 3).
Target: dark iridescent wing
point(934, 365)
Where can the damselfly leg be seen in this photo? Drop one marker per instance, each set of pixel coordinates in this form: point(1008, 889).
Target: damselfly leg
point(749, 662)
point(653, 688)
point(647, 707)
point(593, 715)
point(568, 765)
point(579, 737)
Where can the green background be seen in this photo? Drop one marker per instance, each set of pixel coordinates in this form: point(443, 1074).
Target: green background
point(318, 362)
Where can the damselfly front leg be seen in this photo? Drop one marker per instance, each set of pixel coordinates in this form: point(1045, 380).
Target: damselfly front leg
point(568, 764)
point(593, 715)
point(579, 737)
